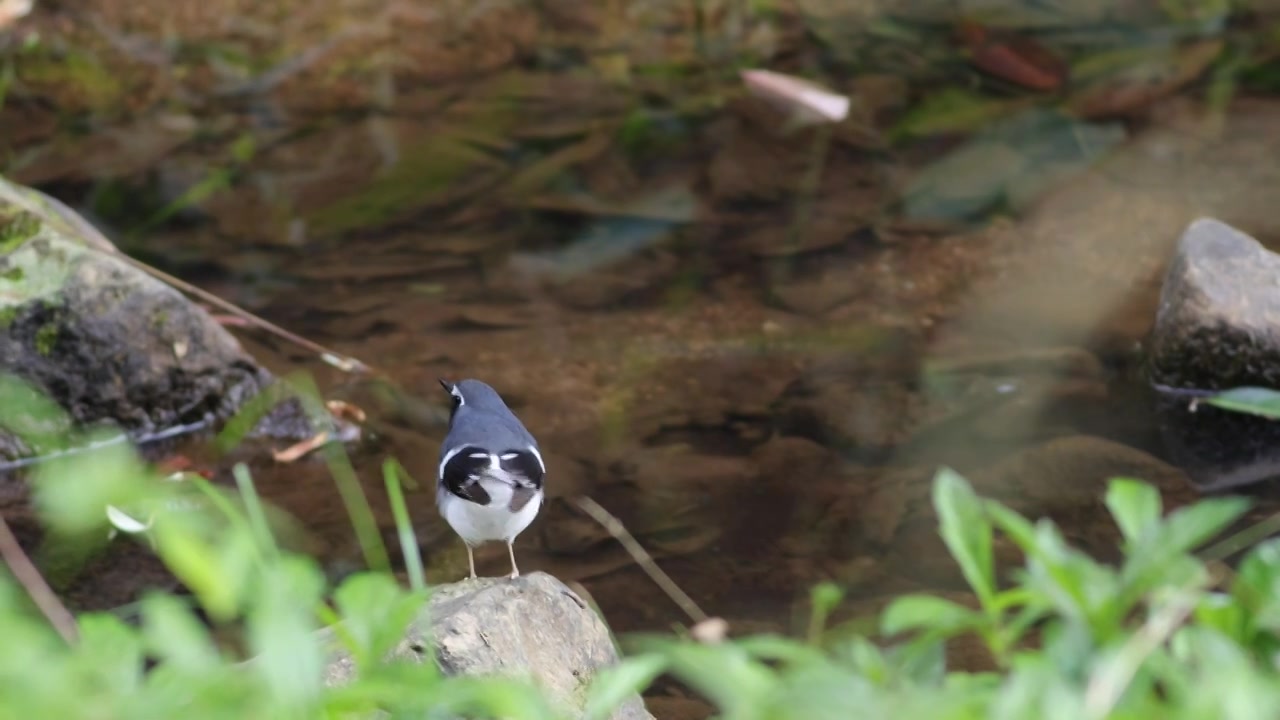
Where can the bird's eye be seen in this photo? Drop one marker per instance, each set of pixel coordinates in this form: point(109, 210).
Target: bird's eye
point(457, 399)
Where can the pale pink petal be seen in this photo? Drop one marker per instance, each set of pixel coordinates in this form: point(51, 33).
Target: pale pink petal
point(808, 100)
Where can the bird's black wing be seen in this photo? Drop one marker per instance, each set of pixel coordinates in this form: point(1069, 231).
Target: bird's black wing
point(523, 466)
point(461, 475)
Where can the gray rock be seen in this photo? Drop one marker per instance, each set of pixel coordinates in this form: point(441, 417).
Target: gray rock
point(533, 626)
point(101, 338)
point(1218, 325)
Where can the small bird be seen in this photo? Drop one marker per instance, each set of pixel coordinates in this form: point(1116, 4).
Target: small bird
point(489, 484)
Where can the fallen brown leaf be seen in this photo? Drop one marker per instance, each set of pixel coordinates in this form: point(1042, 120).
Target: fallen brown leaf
point(345, 411)
point(293, 452)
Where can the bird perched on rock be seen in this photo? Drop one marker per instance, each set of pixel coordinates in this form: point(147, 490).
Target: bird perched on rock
point(489, 484)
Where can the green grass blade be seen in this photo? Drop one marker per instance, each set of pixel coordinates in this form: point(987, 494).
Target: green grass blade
point(391, 471)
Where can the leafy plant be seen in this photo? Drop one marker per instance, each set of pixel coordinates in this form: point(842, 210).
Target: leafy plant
point(220, 544)
point(1070, 637)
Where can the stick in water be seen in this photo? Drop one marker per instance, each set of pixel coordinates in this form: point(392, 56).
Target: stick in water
point(29, 577)
point(642, 557)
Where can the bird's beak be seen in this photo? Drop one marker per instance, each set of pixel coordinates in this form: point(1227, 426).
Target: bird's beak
point(448, 386)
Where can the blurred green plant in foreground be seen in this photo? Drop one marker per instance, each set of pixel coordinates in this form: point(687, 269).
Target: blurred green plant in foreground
point(1155, 637)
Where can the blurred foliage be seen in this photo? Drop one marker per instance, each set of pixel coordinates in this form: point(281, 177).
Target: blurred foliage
point(1156, 637)
point(170, 663)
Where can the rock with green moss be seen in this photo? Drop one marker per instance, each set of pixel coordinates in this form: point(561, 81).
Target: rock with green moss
point(104, 340)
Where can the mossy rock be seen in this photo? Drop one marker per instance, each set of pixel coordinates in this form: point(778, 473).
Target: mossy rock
point(104, 340)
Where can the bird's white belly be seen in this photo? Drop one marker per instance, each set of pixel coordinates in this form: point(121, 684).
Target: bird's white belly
point(476, 524)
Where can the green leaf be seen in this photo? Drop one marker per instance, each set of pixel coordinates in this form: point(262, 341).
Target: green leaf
point(1257, 585)
point(1020, 530)
point(824, 597)
point(928, 613)
point(375, 613)
point(282, 633)
point(256, 515)
point(953, 110)
point(1136, 507)
point(488, 697)
point(1187, 528)
point(614, 685)
point(923, 662)
point(72, 492)
point(243, 149)
point(868, 659)
point(1076, 586)
point(391, 472)
point(111, 650)
point(174, 634)
point(736, 683)
point(1262, 402)
point(28, 413)
point(199, 565)
point(966, 531)
point(778, 648)
point(1222, 613)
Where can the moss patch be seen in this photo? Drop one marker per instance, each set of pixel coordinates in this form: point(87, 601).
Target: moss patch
point(80, 77)
point(410, 184)
point(7, 314)
point(16, 229)
point(46, 338)
point(159, 321)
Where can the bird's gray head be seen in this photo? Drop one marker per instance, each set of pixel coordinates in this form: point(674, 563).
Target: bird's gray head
point(479, 413)
point(474, 395)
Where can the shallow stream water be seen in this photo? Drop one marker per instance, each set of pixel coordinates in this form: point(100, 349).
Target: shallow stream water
point(717, 327)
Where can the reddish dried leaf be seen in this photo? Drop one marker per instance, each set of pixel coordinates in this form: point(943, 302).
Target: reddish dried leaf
point(293, 452)
point(1014, 58)
point(1023, 62)
point(345, 411)
point(173, 464)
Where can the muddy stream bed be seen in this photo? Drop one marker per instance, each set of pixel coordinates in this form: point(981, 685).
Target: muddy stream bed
point(751, 362)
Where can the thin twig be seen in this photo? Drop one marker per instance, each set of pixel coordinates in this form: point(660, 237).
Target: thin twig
point(94, 239)
point(346, 363)
point(1246, 538)
point(615, 528)
point(29, 577)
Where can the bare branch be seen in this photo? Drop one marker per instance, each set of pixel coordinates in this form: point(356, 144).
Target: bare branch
point(29, 577)
point(615, 528)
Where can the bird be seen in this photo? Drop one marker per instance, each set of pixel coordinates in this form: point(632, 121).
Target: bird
point(489, 485)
